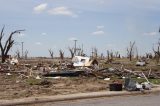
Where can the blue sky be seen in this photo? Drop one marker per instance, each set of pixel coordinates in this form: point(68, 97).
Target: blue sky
point(105, 24)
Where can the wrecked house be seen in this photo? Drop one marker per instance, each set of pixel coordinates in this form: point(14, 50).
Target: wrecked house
point(81, 61)
point(13, 61)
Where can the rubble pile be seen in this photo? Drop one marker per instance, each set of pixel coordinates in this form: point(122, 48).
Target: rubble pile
point(44, 75)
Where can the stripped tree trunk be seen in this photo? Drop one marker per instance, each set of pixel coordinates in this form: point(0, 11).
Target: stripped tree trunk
point(8, 43)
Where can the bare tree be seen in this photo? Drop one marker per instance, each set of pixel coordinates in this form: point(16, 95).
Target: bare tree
point(137, 54)
point(111, 55)
point(149, 55)
point(61, 54)
point(71, 50)
point(82, 52)
point(119, 56)
point(8, 43)
point(116, 54)
point(26, 54)
point(130, 50)
point(79, 51)
point(94, 52)
point(102, 56)
point(17, 53)
point(157, 51)
point(51, 53)
point(108, 55)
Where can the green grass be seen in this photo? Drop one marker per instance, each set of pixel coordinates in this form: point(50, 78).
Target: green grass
point(154, 81)
point(33, 81)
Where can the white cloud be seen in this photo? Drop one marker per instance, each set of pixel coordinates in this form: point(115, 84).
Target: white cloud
point(38, 43)
point(40, 8)
point(43, 33)
point(100, 32)
point(100, 27)
point(62, 11)
point(72, 38)
point(150, 33)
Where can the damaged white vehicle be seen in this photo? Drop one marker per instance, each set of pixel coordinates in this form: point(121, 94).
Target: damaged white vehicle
point(81, 61)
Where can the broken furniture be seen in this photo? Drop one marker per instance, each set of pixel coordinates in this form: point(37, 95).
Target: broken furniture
point(64, 74)
point(115, 86)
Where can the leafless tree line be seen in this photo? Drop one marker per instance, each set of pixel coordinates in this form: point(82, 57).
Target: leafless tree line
point(17, 53)
point(131, 49)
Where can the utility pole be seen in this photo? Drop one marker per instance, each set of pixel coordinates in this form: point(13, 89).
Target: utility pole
point(92, 53)
point(82, 51)
point(22, 48)
point(82, 47)
point(75, 41)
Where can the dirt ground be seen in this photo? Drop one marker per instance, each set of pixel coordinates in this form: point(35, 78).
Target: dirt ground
point(13, 86)
point(16, 86)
